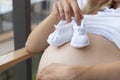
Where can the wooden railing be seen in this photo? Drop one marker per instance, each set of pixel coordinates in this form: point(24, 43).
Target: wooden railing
point(12, 58)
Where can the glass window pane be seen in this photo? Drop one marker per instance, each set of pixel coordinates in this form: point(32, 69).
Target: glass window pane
point(6, 27)
point(39, 10)
point(6, 35)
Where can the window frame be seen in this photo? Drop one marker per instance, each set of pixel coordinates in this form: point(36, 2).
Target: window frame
point(22, 28)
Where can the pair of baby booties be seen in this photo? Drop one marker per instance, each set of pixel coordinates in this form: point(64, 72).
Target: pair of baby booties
point(65, 32)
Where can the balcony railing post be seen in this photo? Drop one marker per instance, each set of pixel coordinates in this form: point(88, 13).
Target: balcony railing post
point(22, 21)
point(22, 28)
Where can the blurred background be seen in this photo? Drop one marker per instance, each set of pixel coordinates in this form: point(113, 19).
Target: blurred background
point(39, 10)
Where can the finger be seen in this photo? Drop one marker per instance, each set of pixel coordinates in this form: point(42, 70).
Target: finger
point(55, 9)
point(61, 10)
point(43, 77)
point(76, 11)
point(67, 11)
point(47, 69)
point(38, 77)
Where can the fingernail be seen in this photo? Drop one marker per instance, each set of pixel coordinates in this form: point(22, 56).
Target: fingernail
point(81, 16)
point(78, 22)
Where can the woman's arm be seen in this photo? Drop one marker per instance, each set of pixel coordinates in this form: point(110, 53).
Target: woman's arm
point(37, 40)
point(108, 71)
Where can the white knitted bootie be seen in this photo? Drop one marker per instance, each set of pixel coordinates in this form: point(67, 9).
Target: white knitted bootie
point(62, 34)
point(80, 38)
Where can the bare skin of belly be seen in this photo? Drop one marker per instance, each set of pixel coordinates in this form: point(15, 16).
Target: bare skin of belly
point(99, 51)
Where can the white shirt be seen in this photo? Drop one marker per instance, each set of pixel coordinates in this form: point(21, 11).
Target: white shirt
point(82, 3)
point(105, 23)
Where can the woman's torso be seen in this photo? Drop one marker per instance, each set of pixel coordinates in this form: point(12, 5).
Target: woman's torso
point(100, 50)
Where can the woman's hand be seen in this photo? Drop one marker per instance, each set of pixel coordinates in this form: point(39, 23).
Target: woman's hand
point(62, 72)
point(65, 9)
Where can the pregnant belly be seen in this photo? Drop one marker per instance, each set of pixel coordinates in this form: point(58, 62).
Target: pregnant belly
point(99, 51)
